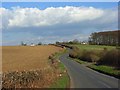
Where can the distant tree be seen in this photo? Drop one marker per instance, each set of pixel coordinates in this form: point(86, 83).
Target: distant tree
point(23, 44)
point(75, 41)
point(57, 42)
point(70, 42)
point(39, 43)
point(105, 38)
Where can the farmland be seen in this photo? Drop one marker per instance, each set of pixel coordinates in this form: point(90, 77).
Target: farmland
point(29, 67)
point(26, 58)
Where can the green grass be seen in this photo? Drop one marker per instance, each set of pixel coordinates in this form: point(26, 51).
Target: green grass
point(62, 82)
point(106, 69)
point(62, 67)
point(93, 47)
point(80, 61)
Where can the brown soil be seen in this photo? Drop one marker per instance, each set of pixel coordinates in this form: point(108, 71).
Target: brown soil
point(26, 57)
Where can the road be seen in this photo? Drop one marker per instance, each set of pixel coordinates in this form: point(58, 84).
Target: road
point(83, 77)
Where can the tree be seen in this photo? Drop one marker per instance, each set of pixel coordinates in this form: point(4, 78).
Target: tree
point(57, 42)
point(39, 43)
point(105, 38)
point(23, 44)
point(75, 41)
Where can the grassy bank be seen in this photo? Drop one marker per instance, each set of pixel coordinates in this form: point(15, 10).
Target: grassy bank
point(63, 80)
point(106, 70)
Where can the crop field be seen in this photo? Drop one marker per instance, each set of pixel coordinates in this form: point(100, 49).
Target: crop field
point(26, 57)
point(28, 67)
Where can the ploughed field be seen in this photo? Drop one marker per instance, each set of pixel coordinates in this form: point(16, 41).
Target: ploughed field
point(26, 57)
point(28, 67)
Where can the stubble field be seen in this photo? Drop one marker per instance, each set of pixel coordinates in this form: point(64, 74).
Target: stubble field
point(26, 57)
point(29, 67)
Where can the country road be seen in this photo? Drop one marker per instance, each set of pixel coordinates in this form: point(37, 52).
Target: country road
point(83, 77)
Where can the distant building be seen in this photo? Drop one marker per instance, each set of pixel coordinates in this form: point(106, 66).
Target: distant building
point(84, 43)
point(32, 44)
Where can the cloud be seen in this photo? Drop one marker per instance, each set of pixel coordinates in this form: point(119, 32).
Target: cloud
point(54, 23)
point(27, 17)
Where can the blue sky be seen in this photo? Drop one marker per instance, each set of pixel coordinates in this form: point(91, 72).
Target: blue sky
point(37, 22)
point(43, 5)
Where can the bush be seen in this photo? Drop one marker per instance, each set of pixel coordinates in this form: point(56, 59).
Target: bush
point(95, 58)
point(74, 48)
point(110, 58)
point(90, 56)
point(85, 56)
point(105, 57)
point(73, 54)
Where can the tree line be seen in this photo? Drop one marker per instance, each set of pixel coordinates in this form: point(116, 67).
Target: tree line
point(105, 38)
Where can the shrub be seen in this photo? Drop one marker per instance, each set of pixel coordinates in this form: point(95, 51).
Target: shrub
point(85, 55)
point(52, 58)
point(90, 56)
point(95, 58)
point(75, 52)
point(110, 58)
point(74, 48)
point(105, 57)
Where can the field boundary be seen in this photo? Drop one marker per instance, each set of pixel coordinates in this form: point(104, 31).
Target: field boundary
point(65, 79)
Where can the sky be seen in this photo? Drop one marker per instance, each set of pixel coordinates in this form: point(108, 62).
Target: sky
point(48, 22)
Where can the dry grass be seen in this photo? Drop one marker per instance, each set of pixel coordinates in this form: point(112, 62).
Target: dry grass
point(26, 58)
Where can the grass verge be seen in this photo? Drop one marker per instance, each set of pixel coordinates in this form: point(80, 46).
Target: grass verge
point(101, 68)
point(63, 80)
point(106, 70)
point(80, 61)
